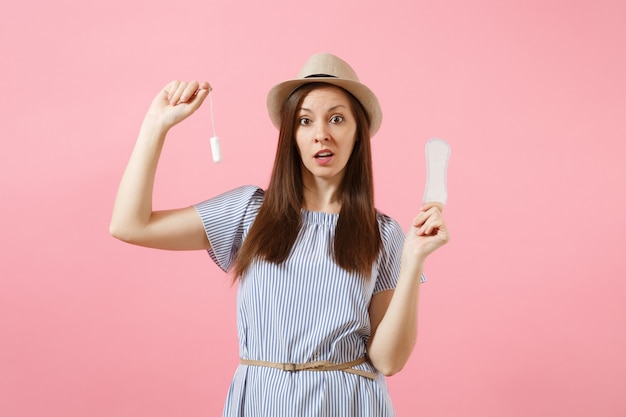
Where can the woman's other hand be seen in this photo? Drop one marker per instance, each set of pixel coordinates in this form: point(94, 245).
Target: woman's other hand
point(428, 232)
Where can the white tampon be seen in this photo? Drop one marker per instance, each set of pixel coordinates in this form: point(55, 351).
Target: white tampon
point(437, 155)
point(215, 149)
point(215, 141)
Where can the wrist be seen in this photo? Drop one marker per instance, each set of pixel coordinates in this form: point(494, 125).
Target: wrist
point(155, 125)
point(152, 132)
point(413, 265)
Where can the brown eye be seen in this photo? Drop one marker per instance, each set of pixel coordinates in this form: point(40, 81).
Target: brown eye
point(305, 121)
point(336, 119)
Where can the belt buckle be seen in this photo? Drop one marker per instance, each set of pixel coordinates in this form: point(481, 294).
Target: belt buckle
point(289, 367)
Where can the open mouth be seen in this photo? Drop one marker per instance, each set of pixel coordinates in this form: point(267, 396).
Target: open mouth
point(323, 155)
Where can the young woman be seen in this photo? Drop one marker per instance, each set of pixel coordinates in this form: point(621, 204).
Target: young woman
point(327, 286)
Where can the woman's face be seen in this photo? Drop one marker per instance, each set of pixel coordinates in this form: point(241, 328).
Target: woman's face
point(325, 133)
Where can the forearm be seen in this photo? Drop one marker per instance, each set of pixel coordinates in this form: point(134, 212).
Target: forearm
point(394, 339)
point(133, 204)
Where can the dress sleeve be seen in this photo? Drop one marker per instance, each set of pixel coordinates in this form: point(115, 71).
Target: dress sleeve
point(392, 237)
point(227, 218)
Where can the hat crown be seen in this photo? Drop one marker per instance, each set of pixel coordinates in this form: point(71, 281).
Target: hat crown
point(327, 65)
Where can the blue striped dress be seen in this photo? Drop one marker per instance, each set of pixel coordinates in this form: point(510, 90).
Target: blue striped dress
point(305, 309)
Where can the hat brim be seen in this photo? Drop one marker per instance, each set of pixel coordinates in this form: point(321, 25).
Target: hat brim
point(280, 92)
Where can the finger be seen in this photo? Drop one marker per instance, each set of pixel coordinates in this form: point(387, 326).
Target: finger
point(425, 215)
point(440, 234)
point(176, 94)
point(170, 88)
point(432, 204)
point(419, 220)
point(430, 227)
point(428, 221)
point(189, 91)
point(427, 210)
point(198, 98)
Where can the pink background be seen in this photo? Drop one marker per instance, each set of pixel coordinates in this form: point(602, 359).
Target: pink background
point(524, 314)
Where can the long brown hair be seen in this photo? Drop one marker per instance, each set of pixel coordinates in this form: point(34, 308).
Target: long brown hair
point(273, 233)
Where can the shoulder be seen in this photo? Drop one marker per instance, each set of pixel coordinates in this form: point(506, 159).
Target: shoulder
point(238, 201)
point(245, 194)
point(390, 229)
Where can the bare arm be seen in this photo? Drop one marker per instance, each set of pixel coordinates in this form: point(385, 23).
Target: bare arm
point(133, 218)
point(393, 314)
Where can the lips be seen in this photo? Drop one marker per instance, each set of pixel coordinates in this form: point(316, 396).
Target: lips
point(323, 154)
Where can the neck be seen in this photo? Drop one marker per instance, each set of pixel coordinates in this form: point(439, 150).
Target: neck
point(321, 195)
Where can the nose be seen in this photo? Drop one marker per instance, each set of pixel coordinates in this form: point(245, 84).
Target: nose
point(321, 134)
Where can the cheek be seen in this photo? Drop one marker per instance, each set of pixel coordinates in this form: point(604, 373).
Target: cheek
point(353, 142)
point(298, 146)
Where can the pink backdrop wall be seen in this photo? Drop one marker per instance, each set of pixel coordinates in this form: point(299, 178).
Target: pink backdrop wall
point(524, 314)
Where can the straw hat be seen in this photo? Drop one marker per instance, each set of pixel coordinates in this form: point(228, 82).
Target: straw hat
point(328, 69)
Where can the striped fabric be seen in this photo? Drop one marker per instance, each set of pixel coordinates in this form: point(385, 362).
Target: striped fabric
point(305, 309)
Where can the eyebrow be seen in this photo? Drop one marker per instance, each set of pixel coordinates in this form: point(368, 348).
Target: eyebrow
point(329, 110)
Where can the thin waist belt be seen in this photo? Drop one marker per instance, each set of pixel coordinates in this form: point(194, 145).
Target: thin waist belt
point(314, 366)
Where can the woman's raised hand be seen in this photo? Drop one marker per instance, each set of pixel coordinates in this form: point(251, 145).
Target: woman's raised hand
point(177, 101)
point(134, 219)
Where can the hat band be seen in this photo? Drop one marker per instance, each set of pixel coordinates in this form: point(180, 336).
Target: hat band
point(320, 76)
